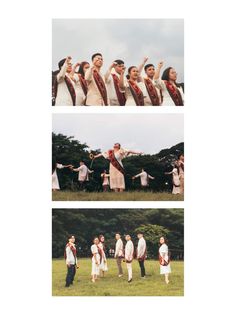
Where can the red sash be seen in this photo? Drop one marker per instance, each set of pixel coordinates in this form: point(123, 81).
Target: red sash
point(136, 93)
point(152, 92)
point(174, 94)
point(69, 86)
point(162, 261)
point(120, 96)
point(83, 84)
point(73, 249)
point(101, 86)
point(114, 161)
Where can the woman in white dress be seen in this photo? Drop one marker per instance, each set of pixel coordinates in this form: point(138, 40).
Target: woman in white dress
point(55, 181)
point(164, 259)
point(95, 259)
point(172, 92)
point(80, 86)
point(116, 170)
point(175, 180)
point(103, 260)
point(134, 87)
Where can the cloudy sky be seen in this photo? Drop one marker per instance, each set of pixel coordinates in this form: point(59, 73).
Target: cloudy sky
point(127, 39)
point(148, 133)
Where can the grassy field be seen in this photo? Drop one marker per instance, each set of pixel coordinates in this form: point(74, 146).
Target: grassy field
point(111, 196)
point(111, 285)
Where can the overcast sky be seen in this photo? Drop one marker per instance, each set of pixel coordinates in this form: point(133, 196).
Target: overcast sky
point(127, 39)
point(148, 133)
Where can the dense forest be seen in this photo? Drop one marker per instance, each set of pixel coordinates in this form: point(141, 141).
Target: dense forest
point(67, 150)
point(87, 223)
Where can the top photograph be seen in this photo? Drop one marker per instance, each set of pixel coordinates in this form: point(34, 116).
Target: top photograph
point(117, 62)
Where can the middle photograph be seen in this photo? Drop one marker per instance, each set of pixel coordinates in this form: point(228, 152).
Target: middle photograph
point(118, 157)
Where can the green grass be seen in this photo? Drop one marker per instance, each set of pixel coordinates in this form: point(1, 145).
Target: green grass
point(111, 285)
point(112, 196)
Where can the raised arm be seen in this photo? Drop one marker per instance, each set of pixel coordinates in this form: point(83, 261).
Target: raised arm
point(134, 153)
point(121, 82)
point(141, 66)
point(158, 70)
point(63, 69)
point(108, 73)
point(72, 73)
point(97, 156)
point(89, 74)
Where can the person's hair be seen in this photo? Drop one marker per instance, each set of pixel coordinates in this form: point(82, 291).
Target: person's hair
point(61, 63)
point(118, 233)
point(148, 66)
point(165, 240)
point(95, 238)
point(130, 68)
point(166, 73)
point(81, 68)
point(118, 61)
point(100, 236)
point(179, 155)
point(139, 232)
point(96, 54)
point(117, 144)
point(70, 236)
point(82, 161)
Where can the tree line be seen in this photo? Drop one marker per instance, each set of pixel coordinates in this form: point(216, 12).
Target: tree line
point(87, 223)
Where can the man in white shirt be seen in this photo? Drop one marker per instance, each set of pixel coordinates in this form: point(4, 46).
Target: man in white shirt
point(63, 87)
point(71, 260)
point(97, 93)
point(83, 176)
point(141, 253)
point(129, 255)
point(112, 78)
point(119, 254)
point(144, 178)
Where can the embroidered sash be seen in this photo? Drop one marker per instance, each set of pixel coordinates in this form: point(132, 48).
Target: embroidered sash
point(69, 86)
point(101, 86)
point(152, 92)
point(120, 96)
point(174, 94)
point(115, 162)
point(73, 249)
point(136, 93)
point(83, 84)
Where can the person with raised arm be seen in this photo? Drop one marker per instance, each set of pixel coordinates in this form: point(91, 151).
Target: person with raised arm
point(81, 87)
point(172, 91)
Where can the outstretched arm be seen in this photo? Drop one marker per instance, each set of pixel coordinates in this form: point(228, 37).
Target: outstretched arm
point(134, 153)
point(97, 156)
point(108, 73)
point(141, 66)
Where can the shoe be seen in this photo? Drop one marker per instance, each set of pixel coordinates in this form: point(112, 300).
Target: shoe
point(143, 277)
point(120, 276)
point(129, 281)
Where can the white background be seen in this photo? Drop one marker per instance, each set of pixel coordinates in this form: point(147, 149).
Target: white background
point(26, 161)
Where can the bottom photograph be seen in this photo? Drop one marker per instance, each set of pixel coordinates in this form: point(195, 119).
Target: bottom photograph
point(118, 252)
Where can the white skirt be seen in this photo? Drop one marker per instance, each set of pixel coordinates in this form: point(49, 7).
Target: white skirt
point(165, 269)
point(95, 267)
point(55, 182)
point(103, 265)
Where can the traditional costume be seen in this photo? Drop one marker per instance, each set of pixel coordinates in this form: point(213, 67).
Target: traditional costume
point(129, 255)
point(135, 93)
point(164, 259)
point(97, 93)
point(71, 261)
point(119, 255)
point(172, 95)
point(64, 89)
point(55, 181)
point(103, 259)
point(115, 95)
point(154, 95)
point(142, 255)
point(116, 170)
point(95, 267)
point(83, 173)
point(181, 175)
point(81, 89)
point(144, 178)
point(175, 181)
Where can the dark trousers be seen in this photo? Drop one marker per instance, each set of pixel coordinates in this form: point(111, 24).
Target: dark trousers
point(142, 268)
point(70, 274)
point(82, 185)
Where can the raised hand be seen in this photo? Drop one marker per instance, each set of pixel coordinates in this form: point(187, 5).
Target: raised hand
point(145, 59)
point(160, 64)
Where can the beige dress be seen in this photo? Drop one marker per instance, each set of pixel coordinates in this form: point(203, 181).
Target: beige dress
point(117, 180)
point(94, 97)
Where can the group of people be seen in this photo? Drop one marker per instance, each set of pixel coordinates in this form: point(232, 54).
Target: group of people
point(82, 84)
point(115, 179)
point(123, 253)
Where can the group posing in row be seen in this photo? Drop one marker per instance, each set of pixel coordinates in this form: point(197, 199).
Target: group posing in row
point(126, 254)
point(115, 178)
point(83, 84)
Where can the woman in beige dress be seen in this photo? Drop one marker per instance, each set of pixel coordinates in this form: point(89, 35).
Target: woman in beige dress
point(116, 170)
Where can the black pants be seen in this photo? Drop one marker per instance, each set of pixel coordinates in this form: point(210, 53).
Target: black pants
point(142, 268)
point(70, 274)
